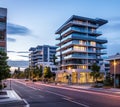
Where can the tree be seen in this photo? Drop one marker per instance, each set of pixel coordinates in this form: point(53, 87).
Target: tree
point(27, 73)
point(40, 71)
point(19, 74)
point(108, 81)
point(47, 73)
point(95, 72)
point(54, 60)
point(4, 68)
point(53, 75)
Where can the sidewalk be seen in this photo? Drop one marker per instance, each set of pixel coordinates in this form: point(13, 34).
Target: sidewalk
point(115, 91)
point(11, 99)
point(89, 87)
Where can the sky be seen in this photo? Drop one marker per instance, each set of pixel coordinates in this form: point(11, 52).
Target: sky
point(34, 22)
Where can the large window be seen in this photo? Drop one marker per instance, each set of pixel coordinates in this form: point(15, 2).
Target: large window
point(80, 48)
point(2, 49)
point(92, 43)
point(2, 35)
point(82, 42)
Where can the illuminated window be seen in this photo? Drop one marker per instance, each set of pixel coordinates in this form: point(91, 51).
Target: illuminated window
point(69, 68)
point(82, 66)
point(82, 42)
point(94, 49)
point(93, 43)
point(80, 48)
point(92, 30)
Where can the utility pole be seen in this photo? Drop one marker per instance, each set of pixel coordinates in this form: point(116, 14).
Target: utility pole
point(114, 73)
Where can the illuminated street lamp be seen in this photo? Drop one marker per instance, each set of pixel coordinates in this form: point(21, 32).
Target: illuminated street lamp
point(114, 72)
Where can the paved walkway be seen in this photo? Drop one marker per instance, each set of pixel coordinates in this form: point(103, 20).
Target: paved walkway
point(89, 87)
point(11, 99)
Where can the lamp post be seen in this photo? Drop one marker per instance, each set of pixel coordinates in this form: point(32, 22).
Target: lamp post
point(114, 73)
point(10, 84)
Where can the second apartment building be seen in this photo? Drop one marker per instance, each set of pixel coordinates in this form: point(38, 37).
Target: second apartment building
point(42, 55)
point(80, 45)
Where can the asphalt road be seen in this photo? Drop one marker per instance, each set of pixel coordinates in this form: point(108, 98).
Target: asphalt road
point(45, 96)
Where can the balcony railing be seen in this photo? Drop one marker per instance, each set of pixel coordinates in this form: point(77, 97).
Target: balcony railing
point(86, 31)
point(79, 56)
point(68, 50)
point(84, 23)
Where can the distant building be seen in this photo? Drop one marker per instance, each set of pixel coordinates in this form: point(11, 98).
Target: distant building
point(42, 55)
point(104, 66)
point(79, 46)
point(3, 23)
point(115, 68)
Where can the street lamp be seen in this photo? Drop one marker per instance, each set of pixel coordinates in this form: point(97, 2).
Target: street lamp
point(114, 72)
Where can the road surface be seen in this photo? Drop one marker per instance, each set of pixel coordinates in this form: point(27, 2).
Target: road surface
point(42, 95)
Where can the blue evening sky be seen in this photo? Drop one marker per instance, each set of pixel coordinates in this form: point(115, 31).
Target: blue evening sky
point(34, 22)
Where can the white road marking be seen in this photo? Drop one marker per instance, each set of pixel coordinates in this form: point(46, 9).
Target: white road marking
point(27, 104)
point(85, 91)
point(68, 99)
point(30, 96)
point(84, 105)
point(18, 92)
point(41, 96)
point(59, 94)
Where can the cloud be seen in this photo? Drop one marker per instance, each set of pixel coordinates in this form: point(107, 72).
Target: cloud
point(113, 48)
point(17, 51)
point(14, 29)
point(112, 27)
point(22, 52)
point(11, 39)
point(11, 51)
point(114, 19)
point(113, 24)
point(23, 56)
point(18, 63)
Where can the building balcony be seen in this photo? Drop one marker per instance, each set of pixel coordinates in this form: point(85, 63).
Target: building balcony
point(82, 37)
point(73, 56)
point(102, 52)
point(70, 50)
point(86, 31)
point(85, 24)
point(102, 46)
point(91, 38)
point(79, 30)
point(67, 51)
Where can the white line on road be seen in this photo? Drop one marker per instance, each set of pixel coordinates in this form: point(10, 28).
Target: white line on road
point(41, 96)
point(85, 91)
point(27, 104)
point(68, 99)
point(59, 94)
point(84, 105)
point(18, 92)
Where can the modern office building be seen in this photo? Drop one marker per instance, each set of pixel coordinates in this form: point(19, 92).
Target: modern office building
point(80, 44)
point(42, 55)
point(3, 23)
